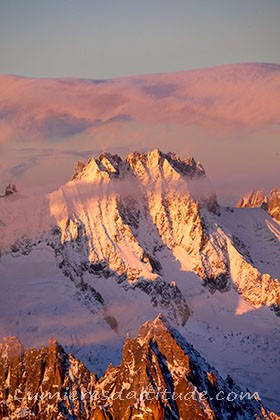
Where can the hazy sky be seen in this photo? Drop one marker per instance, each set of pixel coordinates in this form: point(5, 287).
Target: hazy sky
point(107, 38)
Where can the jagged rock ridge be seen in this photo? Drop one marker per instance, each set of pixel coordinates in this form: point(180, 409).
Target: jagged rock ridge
point(39, 383)
point(258, 198)
point(161, 376)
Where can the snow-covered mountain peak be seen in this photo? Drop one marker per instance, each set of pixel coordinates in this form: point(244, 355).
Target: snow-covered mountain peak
point(160, 160)
point(103, 168)
point(156, 164)
point(152, 172)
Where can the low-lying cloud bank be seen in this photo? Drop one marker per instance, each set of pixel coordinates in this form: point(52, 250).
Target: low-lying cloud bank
point(228, 117)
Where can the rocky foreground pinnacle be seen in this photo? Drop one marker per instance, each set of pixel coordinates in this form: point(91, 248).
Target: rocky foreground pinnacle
point(161, 376)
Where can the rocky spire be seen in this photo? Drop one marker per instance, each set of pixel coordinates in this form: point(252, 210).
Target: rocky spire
point(161, 376)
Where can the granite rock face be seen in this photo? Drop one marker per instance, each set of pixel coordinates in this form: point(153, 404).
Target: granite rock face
point(39, 383)
point(161, 376)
